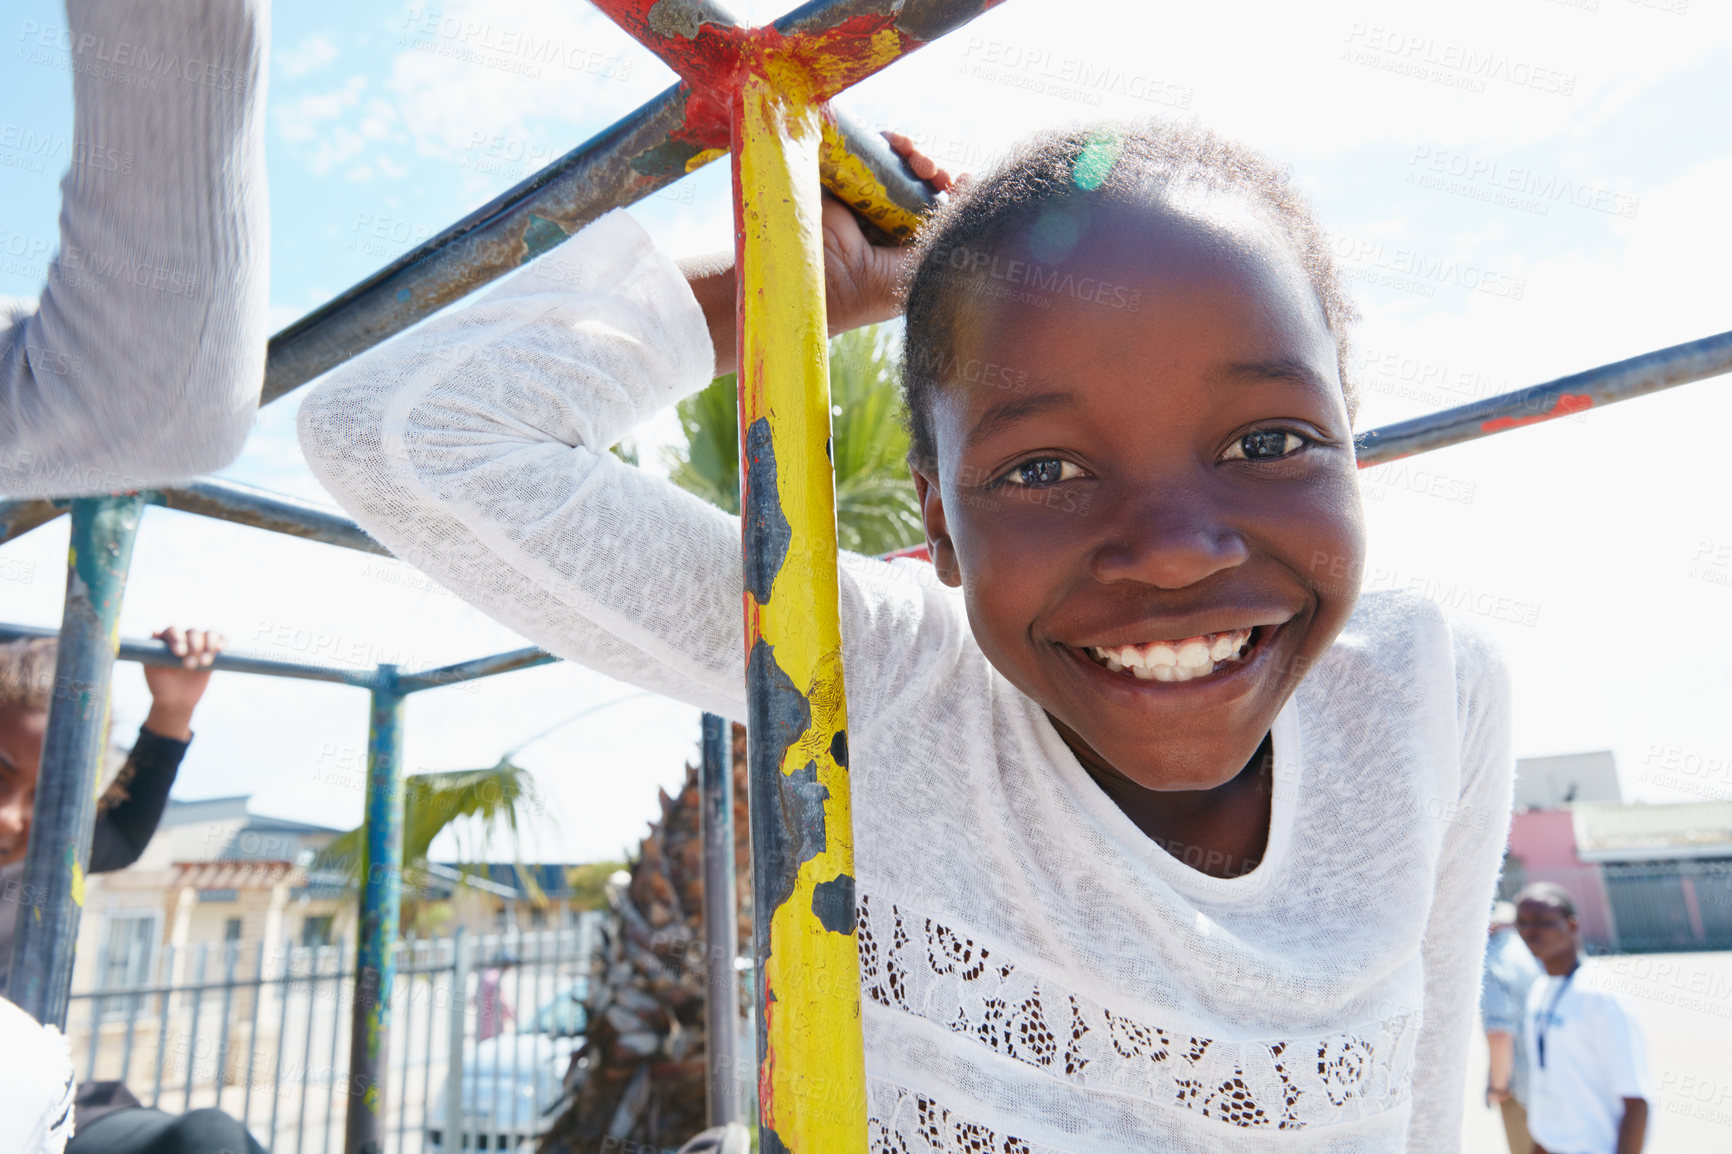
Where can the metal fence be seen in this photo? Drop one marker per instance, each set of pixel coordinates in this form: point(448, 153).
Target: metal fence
point(483, 1027)
point(1642, 907)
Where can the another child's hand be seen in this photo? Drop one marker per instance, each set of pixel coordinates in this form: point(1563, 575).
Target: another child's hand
point(174, 693)
point(861, 279)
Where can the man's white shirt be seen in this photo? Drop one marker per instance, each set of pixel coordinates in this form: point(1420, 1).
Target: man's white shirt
point(1595, 1057)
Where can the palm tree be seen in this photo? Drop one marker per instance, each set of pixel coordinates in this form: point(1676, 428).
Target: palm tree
point(640, 1076)
point(498, 798)
point(875, 507)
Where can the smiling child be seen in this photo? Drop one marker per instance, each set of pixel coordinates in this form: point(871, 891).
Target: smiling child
point(1165, 838)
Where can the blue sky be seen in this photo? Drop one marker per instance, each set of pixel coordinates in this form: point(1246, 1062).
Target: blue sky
point(1519, 190)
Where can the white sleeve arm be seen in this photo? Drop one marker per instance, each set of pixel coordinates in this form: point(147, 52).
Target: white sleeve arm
point(1454, 947)
point(476, 448)
point(141, 364)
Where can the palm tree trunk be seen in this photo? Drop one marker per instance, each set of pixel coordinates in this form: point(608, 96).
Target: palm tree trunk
point(639, 1077)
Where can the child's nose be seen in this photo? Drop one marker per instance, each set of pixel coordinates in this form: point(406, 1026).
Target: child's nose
point(1168, 543)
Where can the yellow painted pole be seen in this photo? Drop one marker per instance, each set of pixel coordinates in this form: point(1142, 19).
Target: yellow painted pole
point(811, 1051)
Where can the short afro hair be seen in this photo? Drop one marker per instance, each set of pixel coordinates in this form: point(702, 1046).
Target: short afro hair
point(1130, 164)
point(27, 673)
point(1549, 894)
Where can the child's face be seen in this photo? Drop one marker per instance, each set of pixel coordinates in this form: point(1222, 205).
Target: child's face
point(21, 733)
point(1178, 472)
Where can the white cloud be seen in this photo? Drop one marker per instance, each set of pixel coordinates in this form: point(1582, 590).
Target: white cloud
point(310, 55)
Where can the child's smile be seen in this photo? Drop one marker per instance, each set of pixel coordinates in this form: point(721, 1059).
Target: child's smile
point(1153, 511)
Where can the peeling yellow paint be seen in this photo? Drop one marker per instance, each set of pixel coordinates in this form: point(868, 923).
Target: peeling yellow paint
point(77, 884)
point(704, 158)
point(815, 1072)
point(853, 180)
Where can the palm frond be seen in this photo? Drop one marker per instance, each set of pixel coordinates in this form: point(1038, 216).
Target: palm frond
point(876, 509)
point(498, 798)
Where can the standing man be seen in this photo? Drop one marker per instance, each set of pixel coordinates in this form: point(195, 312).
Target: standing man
point(1587, 1059)
point(1510, 972)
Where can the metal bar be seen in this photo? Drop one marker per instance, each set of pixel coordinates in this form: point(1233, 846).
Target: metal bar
point(162, 1004)
point(408, 1019)
point(192, 1030)
point(282, 1033)
point(701, 41)
point(205, 987)
point(232, 950)
point(721, 917)
point(336, 1032)
point(375, 947)
point(133, 1002)
point(457, 1026)
point(427, 1047)
point(839, 43)
point(470, 670)
point(96, 1007)
point(835, 23)
point(103, 531)
point(313, 983)
point(1650, 372)
point(861, 170)
point(1577, 393)
point(149, 652)
point(521, 953)
point(811, 1065)
point(498, 1014)
point(252, 1032)
point(646, 151)
point(262, 509)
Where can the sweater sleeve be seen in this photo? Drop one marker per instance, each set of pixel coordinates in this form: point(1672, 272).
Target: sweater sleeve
point(1473, 844)
point(476, 449)
point(129, 811)
point(141, 363)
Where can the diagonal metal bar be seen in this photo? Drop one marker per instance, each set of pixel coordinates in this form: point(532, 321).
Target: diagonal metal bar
point(1606, 384)
point(157, 653)
point(262, 509)
point(1576, 393)
point(644, 152)
point(470, 670)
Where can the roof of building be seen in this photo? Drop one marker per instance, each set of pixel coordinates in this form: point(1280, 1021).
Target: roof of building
point(181, 811)
point(1612, 831)
point(1550, 782)
point(235, 875)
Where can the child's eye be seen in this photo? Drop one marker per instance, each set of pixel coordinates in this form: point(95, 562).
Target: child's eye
point(1265, 445)
point(1043, 471)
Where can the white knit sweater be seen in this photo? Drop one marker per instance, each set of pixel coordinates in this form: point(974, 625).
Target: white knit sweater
point(1038, 975)
point(141, 363)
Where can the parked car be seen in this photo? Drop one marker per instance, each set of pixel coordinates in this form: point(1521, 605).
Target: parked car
point(513, 1082)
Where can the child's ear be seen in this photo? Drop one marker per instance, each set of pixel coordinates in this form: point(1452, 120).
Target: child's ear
point(938, 543)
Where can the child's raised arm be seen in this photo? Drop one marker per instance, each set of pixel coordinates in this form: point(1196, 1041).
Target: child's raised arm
point(476, 449)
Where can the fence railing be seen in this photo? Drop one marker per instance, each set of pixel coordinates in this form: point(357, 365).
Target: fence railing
point(1667, 906)
point(483, 1027)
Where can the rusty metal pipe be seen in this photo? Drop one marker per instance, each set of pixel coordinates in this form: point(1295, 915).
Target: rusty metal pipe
point(1563, 397)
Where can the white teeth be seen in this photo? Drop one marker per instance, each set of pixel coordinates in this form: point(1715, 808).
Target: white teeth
point(1176, 660)
point(1195, 655)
